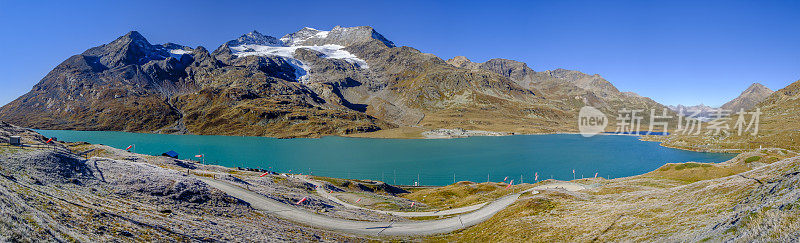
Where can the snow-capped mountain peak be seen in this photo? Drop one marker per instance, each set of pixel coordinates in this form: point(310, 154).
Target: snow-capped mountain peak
point(256, 38)
point(297, 38)
point(256, 44)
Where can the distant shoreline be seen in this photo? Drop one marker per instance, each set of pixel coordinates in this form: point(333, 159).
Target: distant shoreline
point(475, 133)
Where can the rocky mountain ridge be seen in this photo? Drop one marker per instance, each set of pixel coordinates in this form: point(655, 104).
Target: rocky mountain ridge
point(305, 84)
point(773, 126)
point(568, 89)
point(748, 98)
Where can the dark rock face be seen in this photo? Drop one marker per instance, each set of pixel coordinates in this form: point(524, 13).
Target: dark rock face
point(255, 38)
point(131, 48)
point(518, 71)
point(122, 85)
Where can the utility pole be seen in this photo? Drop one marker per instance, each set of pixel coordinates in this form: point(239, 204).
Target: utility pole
point(454, 177)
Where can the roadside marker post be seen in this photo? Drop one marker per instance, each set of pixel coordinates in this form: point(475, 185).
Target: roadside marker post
point(50, 142)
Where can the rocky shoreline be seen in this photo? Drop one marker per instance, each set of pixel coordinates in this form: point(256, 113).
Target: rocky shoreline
point(444, 133)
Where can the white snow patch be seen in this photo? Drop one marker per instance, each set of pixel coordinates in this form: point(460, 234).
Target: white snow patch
point(287, 52)
point(303, 35)
point(328, 51)
point(322, 34)
point(177, 53)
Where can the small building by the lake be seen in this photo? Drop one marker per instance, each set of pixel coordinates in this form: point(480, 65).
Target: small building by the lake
point(15, 140)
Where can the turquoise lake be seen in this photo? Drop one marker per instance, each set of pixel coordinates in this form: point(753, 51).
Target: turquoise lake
point(402, 161)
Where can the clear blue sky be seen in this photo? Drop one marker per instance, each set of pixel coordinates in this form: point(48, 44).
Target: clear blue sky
point(674, 52)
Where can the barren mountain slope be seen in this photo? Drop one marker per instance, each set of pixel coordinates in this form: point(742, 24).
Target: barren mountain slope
point(749, 98)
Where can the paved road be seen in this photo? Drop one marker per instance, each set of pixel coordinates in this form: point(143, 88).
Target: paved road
point(324, 193)
point(300, 215)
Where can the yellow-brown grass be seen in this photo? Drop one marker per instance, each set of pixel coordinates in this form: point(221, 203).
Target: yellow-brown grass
point(463, 194)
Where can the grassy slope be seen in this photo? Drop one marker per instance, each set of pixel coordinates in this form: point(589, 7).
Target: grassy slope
point(778, 127)
point(676, 202)
point(463, 194)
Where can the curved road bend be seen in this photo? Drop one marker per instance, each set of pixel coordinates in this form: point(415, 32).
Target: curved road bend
point(295, 214)
point(430, 227)
point(322, 192)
